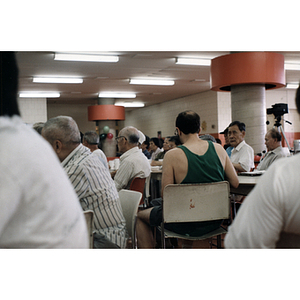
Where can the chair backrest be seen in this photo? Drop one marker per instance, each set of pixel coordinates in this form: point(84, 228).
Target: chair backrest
point(138, 184)
point(130, 203)
point(196, 202)
point(89, 217)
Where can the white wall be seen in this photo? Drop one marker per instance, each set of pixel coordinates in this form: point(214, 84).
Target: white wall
point(33, 110)
point(79, 112)
point(161, 117)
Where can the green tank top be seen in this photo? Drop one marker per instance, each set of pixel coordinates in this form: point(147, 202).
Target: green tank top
point(203, 168)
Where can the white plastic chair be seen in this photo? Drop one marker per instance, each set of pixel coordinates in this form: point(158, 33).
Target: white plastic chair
point(89, 217)
point(130, 203)
point(195, 203)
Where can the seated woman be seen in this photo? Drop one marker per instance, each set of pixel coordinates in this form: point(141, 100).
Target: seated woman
point(160, 156)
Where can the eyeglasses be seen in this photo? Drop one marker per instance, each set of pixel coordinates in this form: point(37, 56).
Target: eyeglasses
point(176, 132)
point(121, 136)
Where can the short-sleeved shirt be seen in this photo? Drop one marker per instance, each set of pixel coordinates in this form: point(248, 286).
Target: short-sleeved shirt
point(243, 154)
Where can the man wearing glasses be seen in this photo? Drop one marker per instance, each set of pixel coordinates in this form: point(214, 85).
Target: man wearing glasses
point(133, 163)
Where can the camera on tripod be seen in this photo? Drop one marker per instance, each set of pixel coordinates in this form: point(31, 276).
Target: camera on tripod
point(278, 109)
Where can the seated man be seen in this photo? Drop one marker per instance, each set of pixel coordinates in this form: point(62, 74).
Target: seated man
point(275, 151)
point(91, 140)
point(154, 147)
point(242, 155)
point(196, 161)
point(270, 215)
point(91, 180)
point(133, 163)
point(227, 146)
point(39, 208)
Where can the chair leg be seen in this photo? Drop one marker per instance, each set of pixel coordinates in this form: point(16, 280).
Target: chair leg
point(163, 240)
point(219, 242)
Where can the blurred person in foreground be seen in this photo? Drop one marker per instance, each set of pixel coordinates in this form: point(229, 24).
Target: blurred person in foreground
point(39, 208)
point(91, 180)
point(195, 161)
point(270, 215)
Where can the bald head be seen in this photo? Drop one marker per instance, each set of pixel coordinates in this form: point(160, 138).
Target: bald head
point(63, 134)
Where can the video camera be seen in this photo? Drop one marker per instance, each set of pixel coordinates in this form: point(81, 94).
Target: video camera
point(278, 109)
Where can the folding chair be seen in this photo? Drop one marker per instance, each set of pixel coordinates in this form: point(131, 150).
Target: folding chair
point(138, 185)
point(89, 217)
point(130, 204)
point(195, 203)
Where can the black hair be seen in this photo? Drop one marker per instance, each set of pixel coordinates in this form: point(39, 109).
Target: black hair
point(175, 139)
point(155, 140)
point(9, 74)
point(188, 122)
point(240, 125)
point(147, 141)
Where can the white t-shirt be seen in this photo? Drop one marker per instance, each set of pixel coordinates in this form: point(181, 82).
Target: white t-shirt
point(271, 211)
point(38, 205)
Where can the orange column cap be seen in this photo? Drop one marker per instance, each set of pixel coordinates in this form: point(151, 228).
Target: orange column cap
point(247, 68)
point(106, 112)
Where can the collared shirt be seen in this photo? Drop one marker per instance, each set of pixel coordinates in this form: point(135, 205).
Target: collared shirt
point(102, 156)
point(133, 163)
point(243, 154)
point(96, 191)
point(270, 157)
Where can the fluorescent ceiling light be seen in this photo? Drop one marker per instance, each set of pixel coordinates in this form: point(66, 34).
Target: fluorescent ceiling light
point(86, 57)
point(292, 86)
point(193, 61)
point(152, 81)
point(116, 95)
point(57, 80)
point(130, 104)
point(39, 95)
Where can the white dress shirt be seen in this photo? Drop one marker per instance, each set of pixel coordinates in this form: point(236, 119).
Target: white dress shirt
point(38, 205)
point(96, 191)
point(271, 211)
point(133, 163)
point(243, 154)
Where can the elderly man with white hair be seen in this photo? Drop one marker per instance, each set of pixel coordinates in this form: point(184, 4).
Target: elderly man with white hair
point(133, 163)
point(91, 180)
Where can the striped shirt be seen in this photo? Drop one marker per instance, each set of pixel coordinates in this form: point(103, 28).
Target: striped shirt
point(133, 163)
point(96, 191)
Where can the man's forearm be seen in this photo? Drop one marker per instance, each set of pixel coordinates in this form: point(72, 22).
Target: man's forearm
point(239, 168)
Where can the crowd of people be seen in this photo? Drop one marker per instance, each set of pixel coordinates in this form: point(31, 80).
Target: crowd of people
point(58, 174)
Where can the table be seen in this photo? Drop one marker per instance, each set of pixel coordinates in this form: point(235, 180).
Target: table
point(247, 183)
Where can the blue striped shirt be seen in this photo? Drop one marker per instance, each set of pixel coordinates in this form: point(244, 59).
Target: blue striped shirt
point(96, 191)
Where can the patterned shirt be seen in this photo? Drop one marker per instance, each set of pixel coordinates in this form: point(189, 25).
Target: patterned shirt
point(133, 163)
point(96, 191)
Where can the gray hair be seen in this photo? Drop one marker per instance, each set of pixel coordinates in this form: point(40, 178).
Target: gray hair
point(38, 126)
point(91, 137)
point(62, 128)
point(208, 137)
point(131, 134)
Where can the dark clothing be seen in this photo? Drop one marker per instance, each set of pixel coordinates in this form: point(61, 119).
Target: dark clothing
point(201, 169)
point(147, 153)
point(160, 155)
